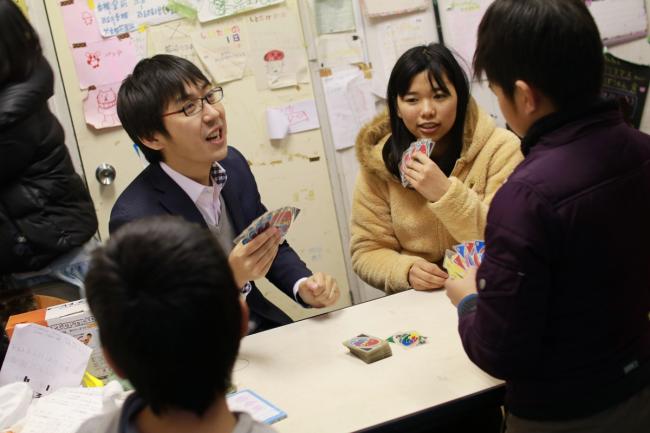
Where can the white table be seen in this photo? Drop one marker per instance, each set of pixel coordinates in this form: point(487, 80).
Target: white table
point(304, 369)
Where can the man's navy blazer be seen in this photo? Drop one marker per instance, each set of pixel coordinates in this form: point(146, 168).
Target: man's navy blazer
point(153, 192)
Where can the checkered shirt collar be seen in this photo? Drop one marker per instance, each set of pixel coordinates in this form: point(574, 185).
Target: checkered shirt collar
point(218, 175)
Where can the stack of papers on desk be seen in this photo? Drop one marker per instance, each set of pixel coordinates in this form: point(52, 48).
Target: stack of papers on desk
point(44, 358)
point(63, 411)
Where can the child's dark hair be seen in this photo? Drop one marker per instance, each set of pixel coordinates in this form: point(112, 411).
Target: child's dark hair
point(553, 45)
point(145, 94)
point(20, 49)
point(439, 62)
point(168, 311)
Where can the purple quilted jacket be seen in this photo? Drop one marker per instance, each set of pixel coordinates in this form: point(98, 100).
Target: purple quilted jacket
point(562, 313)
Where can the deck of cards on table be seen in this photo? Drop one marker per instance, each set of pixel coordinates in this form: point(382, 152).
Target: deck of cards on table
point(423, 145)
point(368, 348)
point(280, 218)
point(465, 255)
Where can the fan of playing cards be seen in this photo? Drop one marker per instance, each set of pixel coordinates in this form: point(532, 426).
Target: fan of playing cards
point(280, 218)
point(465, 255)
point(423, 145)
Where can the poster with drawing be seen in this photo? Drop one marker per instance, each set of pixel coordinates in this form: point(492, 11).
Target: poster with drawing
point(215, 9)
point(105, 61)
point(80, 22)
point(278, 59)
point(100, 106)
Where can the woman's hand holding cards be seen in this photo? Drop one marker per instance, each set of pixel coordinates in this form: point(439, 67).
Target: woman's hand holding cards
point(425, 275)
point(425, 177)
point(253, 260)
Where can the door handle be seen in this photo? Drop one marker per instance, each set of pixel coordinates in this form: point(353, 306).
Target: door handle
point(105, 174)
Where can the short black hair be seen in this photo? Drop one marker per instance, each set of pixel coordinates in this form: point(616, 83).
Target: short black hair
point(439, 61)
point(553, 45)
point(20, 49)
point(167, 307)
point(146, 93)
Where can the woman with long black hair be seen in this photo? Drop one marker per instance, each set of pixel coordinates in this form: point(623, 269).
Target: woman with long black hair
point(399, 235)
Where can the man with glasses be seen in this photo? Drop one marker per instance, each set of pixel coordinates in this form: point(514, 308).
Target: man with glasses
point(174, 115)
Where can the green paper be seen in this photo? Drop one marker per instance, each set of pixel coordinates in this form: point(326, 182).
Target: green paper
point(182, 8)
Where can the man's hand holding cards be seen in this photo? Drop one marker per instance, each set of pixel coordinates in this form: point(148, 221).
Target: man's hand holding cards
point(280, 218)
point(256, 247)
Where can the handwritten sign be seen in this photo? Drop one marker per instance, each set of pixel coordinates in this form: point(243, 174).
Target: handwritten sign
point(350, 105)
point(222, 51)
point(122, 16)
point(174, 38)
point(215, 9)
point(628, 84)
point(460, 20)
point(291, 118)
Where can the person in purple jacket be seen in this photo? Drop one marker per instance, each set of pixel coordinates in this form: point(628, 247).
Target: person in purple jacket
point(562, 307)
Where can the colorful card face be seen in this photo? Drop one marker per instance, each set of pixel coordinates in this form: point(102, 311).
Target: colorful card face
point(423, 145)
point(460, 249)
point(280, 218)
point(407, 339)
point(454, 270)
point(364, 342)
point(465, 255)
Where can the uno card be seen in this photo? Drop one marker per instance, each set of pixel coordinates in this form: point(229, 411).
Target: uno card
point(454, 270)
point(460, 249)
point(408, 339)
point(470, 253)
point(469, 248)
point(423, 145)
point(280, 218)
point(368, 348)
point(459, 261)
point(407, 156)
point(363, 342)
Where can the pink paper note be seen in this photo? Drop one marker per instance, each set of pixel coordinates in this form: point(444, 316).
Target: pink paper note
point(104, 62)
point(80, 22)
point(100, 106)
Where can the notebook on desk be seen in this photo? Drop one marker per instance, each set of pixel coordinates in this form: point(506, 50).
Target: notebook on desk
point(260, 409)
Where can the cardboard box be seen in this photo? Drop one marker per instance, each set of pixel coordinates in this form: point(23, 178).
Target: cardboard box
point(74, 319)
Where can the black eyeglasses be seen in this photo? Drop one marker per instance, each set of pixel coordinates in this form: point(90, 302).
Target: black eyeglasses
point(195, 106)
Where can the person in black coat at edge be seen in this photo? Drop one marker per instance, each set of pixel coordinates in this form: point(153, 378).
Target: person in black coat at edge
point(47, 218)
